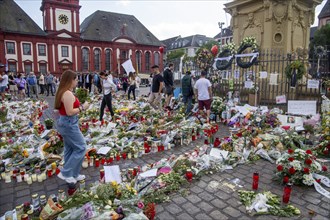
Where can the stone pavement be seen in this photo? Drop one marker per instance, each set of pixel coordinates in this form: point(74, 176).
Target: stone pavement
point(212, 197)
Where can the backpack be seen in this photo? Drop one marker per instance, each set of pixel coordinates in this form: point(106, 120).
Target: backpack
point(31, 80)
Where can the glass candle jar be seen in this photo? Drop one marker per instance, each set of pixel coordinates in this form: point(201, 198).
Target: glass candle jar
point(129, 155)
point(91, 161)
point(43, 200)
point(34, 177)
point(29, 180)
point(97, 162)
point(287, 193)
point(101, 174)
point(85, 163)
point(39, 178)
point(189, 175)
point(43, 175)
point(255, 181)
point(8, 177)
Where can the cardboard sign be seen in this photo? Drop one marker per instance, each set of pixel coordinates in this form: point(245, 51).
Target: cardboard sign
point(313, 84)
point(302, 107)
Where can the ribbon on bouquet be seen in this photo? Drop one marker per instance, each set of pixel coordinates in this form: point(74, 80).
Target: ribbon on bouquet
point(254, 55)
point(224, 58)
point(319, 188)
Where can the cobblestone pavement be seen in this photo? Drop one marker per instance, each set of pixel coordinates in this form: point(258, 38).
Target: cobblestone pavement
point(212, 197)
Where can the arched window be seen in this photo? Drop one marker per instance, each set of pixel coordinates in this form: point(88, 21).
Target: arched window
point(138, 60)
point(97, 59)
point(85, 59)
point(156, 58)
point(108, 59)
point(147, 61)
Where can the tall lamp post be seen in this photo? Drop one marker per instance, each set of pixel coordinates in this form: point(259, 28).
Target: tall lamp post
point(220, 26)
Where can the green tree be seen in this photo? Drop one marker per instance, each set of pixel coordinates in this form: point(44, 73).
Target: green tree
point(321, 38)
point(175, 55)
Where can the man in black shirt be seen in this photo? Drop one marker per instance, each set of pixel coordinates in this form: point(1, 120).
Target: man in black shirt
point(156, 88)
point(169, 83)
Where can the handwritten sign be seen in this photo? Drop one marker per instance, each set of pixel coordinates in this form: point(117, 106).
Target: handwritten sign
point(280, 99)
point(273, 79)
point(302, 107)
point(313, 84)
point(248, 84)
point(263, 75)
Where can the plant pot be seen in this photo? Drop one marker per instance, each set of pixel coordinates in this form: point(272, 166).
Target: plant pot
point(48, 127)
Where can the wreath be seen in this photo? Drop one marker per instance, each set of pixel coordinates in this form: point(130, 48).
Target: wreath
point(204, 59)
point(229, 51)
point(248, 42)
point(296, 67)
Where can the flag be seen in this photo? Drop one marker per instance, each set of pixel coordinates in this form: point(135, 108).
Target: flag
point(128, 66)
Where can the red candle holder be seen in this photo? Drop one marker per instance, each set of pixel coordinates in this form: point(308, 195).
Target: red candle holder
point(206, 141)
point(57, 171)
point(255, 181)
point(145, 144)
point(103, 161)
point(97, 162)
point(287, 193)
point(159, 149)
point(124, 155)
point(118, 157)
point(162, 147)
point(71, 190)
point(49, 172)
point(217, 142)
point(193, 138)
point(189, 175)
point(101, 174)
point(135, 172)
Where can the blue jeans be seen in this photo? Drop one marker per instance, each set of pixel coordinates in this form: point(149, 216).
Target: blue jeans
point(187, 100)
point(74, 145)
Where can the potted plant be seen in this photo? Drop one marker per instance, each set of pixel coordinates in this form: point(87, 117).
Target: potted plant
point(49, 123)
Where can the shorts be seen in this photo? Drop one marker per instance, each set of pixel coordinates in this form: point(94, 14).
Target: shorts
point(13, 88)
point(169, 90)
point(3, 89)
point(204, 103)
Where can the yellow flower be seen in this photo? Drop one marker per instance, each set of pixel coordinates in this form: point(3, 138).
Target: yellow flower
point(114, 184)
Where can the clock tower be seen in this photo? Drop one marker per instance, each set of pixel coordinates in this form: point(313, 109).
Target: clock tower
point(60, 15)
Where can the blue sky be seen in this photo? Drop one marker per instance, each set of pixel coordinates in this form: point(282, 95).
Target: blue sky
point(165, 19)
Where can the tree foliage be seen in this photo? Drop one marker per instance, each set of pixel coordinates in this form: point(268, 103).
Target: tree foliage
point(321, 38)
point(175, 54)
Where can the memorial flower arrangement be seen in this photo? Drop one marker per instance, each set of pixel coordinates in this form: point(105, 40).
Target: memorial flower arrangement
point(231, 47)
point(250, 42)
point(295, 69)
point(228, 52)
point(247, 42)
point(204, 59)
point(218, 105)
point(297, 167)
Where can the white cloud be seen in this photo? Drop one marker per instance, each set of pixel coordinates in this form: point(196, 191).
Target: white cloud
point(123, 3)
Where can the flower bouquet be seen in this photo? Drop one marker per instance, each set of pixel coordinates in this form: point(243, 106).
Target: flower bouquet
point(49, 123)
point(218, 105)
point(297, 167)
point(82, 94)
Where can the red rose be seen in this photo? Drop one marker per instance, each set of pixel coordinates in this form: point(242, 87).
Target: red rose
point(324, 169)
point(291, 159)
point(292, 170)
point(279, 167)
point(306, 170)
point(285, 179)
point(308, 152)
point(318, 180)
point(290, 151)
point(308, 161)
point(326, 152)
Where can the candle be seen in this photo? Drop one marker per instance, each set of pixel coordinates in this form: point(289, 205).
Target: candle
point(57, 171)
point(118, 157)
point(34, 177)
point(103, 161)
point(85, 163)
point(43, 176)
point(287, 193)
point(8, 177)
point(49, 172)
point(29, 180)
point(169, 146)
point(91, 161)
point(124, 155)
point(26, 176)
point(129, 155)
point(97, 162)
point(189, 175)
point(101, 174)
point(40, 178)
point(19, 178)
point(255, 181)
point(3, 175)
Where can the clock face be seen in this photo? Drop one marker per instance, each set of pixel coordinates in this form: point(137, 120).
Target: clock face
point(63, 19)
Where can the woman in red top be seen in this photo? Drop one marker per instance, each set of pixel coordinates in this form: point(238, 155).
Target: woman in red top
point(68, 126)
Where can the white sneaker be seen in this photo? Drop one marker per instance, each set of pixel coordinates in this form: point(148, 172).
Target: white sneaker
point(80, 177)
point(67, 179)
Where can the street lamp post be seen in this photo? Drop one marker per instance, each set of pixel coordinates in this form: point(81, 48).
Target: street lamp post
point(220, 26)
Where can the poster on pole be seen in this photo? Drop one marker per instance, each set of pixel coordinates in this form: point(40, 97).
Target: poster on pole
point(128, 66)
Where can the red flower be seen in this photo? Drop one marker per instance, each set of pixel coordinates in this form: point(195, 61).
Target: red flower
point(291, 159)
point(308, 152)
point(292, 170)
point(279, 167)
point(285, 179)
point(308, 161)
point(306, 170)
point(326, 152)
point(324, 168)
point(318, 180)
point(290, 151)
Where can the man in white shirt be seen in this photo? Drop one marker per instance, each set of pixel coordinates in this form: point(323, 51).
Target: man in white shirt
point(42, 83)
point(203, 89)
point(107, 84)
point(3, 84)
point(137, 84)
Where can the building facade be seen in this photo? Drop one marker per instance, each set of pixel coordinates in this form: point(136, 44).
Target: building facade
point(103, 41)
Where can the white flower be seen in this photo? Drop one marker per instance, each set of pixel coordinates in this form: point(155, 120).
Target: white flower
point(316, 166)
point(258, 119)
point(296, 164)
point(308, 179)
